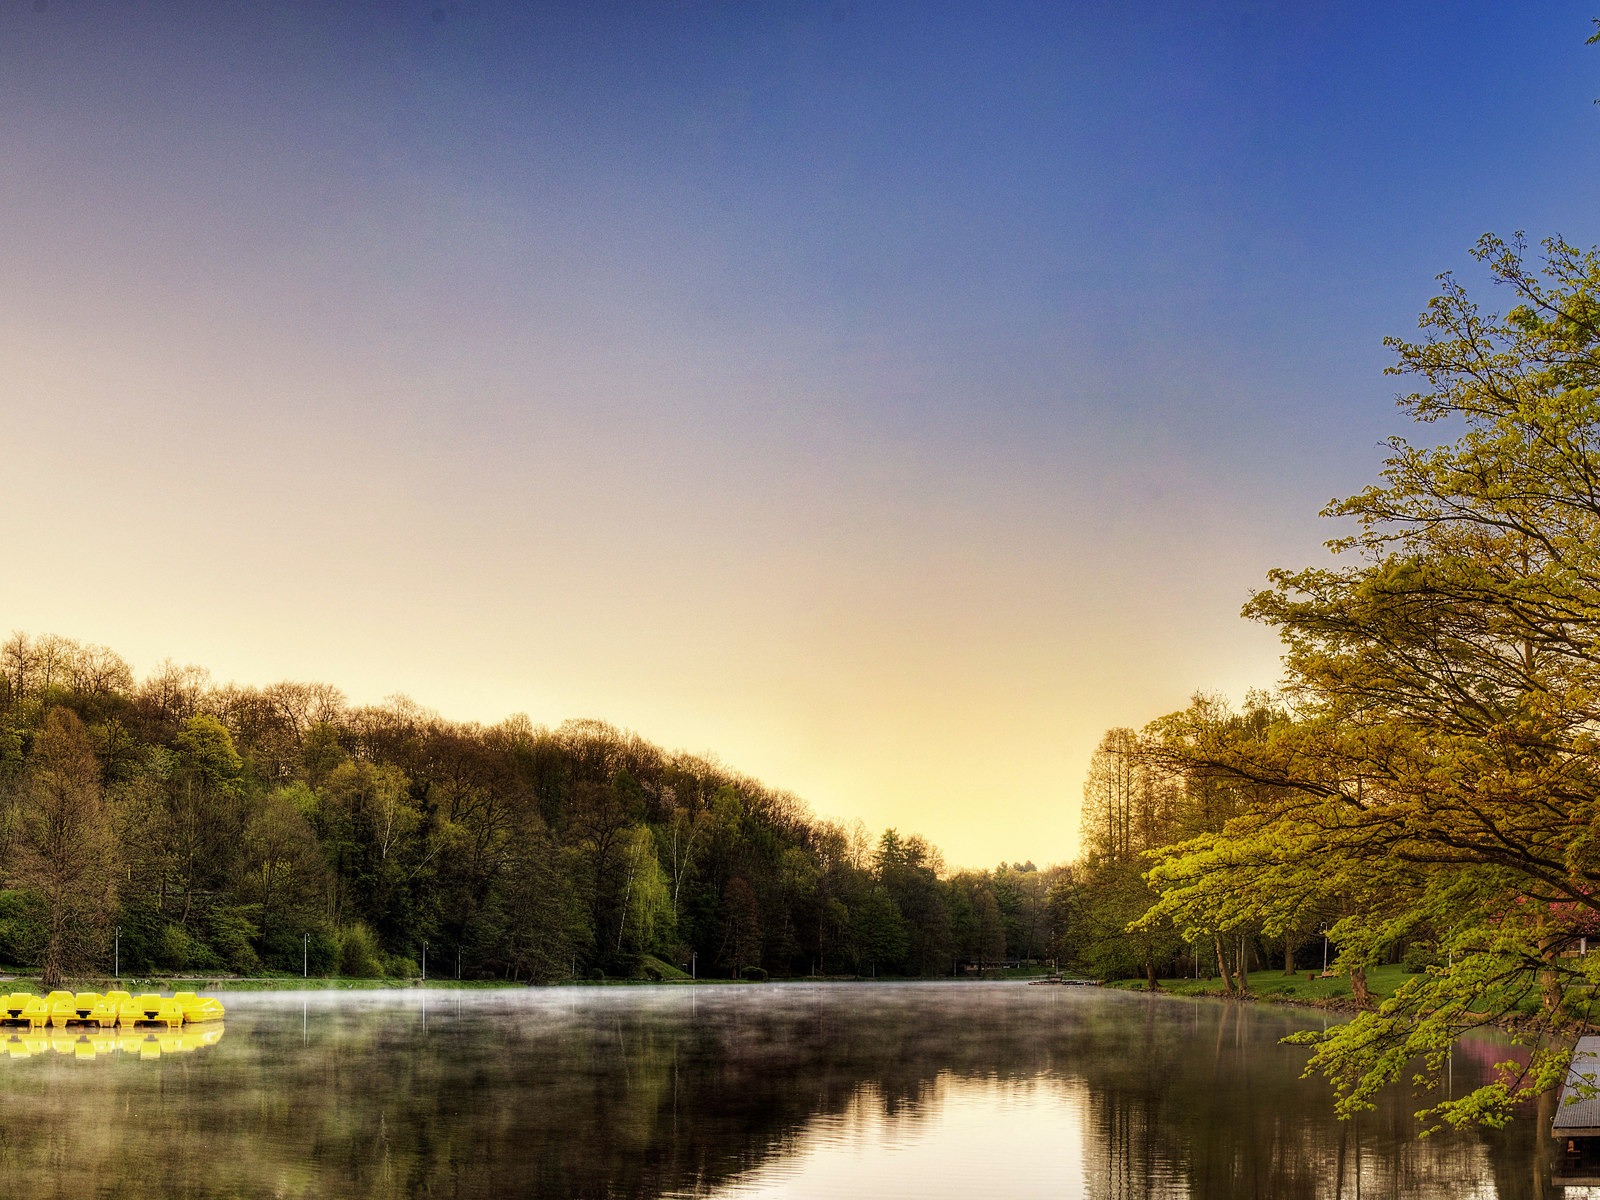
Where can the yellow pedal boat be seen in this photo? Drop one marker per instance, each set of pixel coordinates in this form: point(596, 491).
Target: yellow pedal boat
point(81, 1008)
point(24, 1008)
point(62, 1008)
point(198, 1008)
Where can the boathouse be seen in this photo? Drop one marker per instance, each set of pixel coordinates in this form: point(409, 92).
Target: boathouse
point(1576, 1126)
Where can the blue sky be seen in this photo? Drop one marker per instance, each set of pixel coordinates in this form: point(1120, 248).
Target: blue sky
point(888, 398)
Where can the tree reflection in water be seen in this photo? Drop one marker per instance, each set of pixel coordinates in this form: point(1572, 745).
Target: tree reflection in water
point(956, 1089)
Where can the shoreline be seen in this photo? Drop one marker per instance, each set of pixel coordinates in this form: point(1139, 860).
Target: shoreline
point(278, 983)
point(1346, 1005)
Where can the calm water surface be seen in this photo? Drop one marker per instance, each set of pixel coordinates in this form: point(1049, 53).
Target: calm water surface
point(925, 1090)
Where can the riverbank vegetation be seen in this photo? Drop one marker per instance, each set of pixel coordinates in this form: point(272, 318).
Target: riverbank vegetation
point(171, 824)
point(1425, 787)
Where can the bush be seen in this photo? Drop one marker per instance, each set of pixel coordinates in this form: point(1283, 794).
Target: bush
point(231, 933)
point(321, 953)
point(22, 927)
point(140, 940)
point(360, 957)
point(282, 950)
point(753, 975)
point(398, 966)
point(1417, 959)
point(175, 948)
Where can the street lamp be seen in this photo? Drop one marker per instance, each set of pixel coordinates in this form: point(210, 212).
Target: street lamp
point(116, 953)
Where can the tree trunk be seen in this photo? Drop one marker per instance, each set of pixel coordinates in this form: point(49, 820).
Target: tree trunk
point(50, 974)
point(1358, 986)
point(1222, 964)
point(1546, 1161)
point(1244, 968)
point(1288, 955)
point(1150, 983)
point(1549, 978)
point(627, 890)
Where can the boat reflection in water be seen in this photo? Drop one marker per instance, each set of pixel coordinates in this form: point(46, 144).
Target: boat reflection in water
point(85, 1044)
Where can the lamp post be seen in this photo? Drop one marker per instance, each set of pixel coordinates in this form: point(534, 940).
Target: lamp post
point(424, 962)
point(305, 956)
point(116, 953)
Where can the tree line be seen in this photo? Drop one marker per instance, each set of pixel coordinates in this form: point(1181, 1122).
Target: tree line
point(1425, 785)
point(172, 824)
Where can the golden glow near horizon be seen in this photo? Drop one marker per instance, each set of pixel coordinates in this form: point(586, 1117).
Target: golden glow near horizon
point(878, 650)
point(887, 415)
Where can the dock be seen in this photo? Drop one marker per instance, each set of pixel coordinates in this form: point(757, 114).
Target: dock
point(1576, 1126)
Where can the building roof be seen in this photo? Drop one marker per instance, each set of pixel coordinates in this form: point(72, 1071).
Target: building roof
point(1578, 1113)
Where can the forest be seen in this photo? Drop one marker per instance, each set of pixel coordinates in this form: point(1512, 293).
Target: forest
point(170, 824)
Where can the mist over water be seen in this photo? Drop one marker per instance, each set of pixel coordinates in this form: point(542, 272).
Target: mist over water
point(926, 1090)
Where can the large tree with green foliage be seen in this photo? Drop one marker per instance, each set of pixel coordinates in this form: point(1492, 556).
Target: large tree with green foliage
point(66, 851)
point(1128, 811)
point(1435, 777)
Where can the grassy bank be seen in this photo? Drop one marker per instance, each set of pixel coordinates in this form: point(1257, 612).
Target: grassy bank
point(1275, 985)
point(655, 972)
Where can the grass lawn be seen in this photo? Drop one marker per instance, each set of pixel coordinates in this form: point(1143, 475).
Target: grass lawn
point(1275, 985)
point(651, 970)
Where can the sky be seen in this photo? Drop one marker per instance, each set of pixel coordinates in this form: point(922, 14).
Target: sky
point(885, 398)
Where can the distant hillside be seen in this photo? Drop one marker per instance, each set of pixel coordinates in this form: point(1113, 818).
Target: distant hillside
point(221, 827)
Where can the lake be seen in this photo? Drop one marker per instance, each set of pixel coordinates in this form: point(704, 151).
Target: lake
point(783, 1090)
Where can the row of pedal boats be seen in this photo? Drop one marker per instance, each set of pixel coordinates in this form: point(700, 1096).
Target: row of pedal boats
point(104, 1010)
